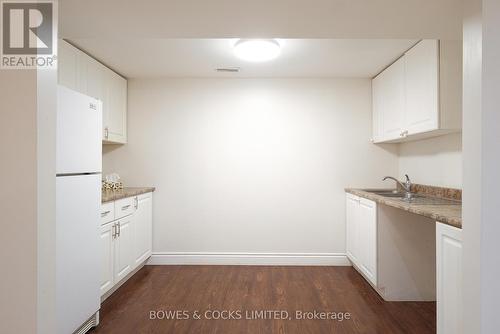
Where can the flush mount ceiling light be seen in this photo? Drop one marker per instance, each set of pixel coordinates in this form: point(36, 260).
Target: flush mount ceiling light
point(257, 50)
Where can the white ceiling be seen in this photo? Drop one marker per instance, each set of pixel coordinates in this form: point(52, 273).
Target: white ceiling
point(136, 58)
point(253, 18)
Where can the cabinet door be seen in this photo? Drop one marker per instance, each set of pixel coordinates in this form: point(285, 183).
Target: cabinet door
point(422, 87)
point(96, 87)
point(377, 86)
point(124, 248)
point(82, 63)
point(67, 65)
point(391, 102)
point(143, 225)
point(449, 279)
point(107, 250)
point(352, 230)
point(116, 119)
point(368, 238)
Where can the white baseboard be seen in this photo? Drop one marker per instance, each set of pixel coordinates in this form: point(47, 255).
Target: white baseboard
point(269, 259)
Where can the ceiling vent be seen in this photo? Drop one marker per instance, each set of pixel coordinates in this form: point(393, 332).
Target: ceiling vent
point(228, 69)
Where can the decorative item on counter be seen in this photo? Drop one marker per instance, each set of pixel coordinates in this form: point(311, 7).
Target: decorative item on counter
point(112, 182)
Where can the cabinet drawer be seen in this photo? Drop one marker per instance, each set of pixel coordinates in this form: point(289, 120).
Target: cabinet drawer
point(107, 212)
point(124, 207)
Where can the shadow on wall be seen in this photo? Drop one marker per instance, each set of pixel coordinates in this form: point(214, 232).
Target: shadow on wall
point(434, 161)
point(451, 143)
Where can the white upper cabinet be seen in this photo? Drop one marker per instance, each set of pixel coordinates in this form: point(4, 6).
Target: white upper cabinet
point(96, 82)
point(80, 72)
point(116, 115)
point(419, 95)
point(67, 73)
point(388, 102)
point(421, 89)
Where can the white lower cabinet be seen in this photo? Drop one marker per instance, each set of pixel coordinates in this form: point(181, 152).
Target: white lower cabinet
point(143, 226)
point(107, 255)
point(361, 236)
point(124, 248)
point(449, 279)
point(352, 228)
point(126, 241)
point(368, 238)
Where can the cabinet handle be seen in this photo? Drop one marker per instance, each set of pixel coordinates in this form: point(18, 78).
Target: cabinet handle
point(106, 132)
point(113, 229)
point(105, 213)
point(136, 202)
point(119, 229)
point(125, 207)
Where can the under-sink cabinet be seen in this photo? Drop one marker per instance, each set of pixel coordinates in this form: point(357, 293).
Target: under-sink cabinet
point(126, 238)
point(361, 233)
point(407, 257)
point(395, 251)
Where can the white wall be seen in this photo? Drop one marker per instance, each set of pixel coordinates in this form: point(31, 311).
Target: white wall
point(250, 165)
point(490, 165)
point(434, 161)
point(18, 201)
point(481, 262)
point(27, 200)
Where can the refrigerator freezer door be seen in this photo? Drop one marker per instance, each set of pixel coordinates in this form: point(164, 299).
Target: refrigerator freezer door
point(79, 133)
point(77, 250)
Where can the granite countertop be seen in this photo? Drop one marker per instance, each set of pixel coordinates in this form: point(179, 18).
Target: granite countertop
point(113, 195)
point(440, 209)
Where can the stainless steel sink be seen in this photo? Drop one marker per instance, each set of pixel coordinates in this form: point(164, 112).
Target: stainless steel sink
point(389, 194)
point(415, 199)
point(386, 193)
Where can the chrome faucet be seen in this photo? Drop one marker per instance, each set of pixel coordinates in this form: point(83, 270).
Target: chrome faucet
point(406, 186)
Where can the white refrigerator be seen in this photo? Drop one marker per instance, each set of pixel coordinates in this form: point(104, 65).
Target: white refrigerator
point(78, 200)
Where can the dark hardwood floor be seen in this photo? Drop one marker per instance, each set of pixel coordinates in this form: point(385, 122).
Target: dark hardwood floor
point(254, 288)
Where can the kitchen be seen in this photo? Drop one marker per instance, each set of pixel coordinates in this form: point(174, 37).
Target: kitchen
point(313, 183)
